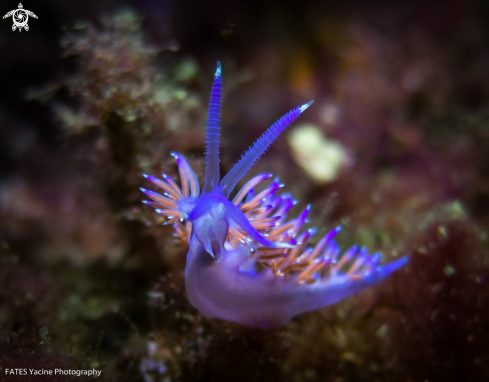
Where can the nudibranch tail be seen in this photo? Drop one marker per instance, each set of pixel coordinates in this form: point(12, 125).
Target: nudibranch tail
point(212, 134)
point(258, 148)
point(263, 270)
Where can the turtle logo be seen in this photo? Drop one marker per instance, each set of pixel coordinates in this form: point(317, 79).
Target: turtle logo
point(20, 17)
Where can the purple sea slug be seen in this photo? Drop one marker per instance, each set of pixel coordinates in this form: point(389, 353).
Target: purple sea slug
point(247, 262)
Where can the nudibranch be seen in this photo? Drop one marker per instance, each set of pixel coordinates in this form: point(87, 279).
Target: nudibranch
point(247, 262)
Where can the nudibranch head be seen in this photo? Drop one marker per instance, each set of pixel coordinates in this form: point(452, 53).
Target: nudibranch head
point(247, 261)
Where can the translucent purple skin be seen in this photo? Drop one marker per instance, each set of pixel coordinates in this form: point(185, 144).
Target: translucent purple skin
point(233, 291)
point(233, 279)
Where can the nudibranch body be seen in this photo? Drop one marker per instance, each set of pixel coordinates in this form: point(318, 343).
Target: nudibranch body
point(247, 262)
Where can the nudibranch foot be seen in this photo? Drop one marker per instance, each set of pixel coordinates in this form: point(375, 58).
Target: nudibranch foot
point(247, 262)
point(236, 292)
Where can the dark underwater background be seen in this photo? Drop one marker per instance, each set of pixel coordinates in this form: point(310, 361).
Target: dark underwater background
point(98, 92)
